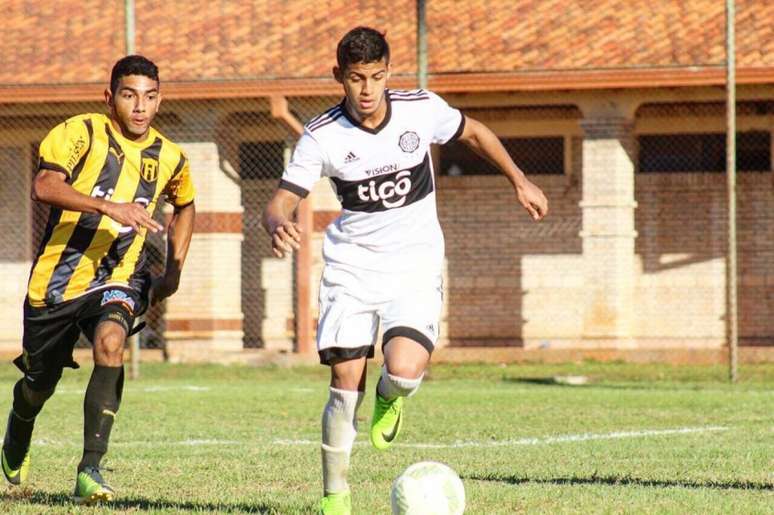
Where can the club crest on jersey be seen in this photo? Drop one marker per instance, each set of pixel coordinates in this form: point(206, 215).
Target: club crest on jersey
point(119, 297)
point(408, 141)
point(150, 169)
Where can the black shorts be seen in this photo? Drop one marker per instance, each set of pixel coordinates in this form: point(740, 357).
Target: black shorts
point(51, 332)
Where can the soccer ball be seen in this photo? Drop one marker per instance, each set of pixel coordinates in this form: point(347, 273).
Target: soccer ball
point(428, 488)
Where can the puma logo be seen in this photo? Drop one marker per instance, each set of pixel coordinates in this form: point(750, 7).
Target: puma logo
point(118, 155)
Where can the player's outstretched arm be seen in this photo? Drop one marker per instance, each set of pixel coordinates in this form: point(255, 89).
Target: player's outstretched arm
point(285, 234)
point(178, 240)
point(485, 143)
point(50, 188)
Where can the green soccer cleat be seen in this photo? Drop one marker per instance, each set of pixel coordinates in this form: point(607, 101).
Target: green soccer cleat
point(386, 421)
point(91, 488)
point(336, 504)
point(19, 475)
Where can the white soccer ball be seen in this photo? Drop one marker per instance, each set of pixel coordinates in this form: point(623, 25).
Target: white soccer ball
point(428, 488)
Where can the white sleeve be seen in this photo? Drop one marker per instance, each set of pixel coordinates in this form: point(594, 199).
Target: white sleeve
point(448, 122)
point(305, 167)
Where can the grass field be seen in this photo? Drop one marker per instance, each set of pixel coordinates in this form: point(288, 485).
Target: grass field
point(635, 439)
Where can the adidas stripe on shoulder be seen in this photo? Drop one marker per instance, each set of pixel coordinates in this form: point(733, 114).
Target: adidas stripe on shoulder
point(323, 114)
point(329, 116)
point(408, 96)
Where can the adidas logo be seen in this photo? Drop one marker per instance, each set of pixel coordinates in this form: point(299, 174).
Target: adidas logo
point(350, 158)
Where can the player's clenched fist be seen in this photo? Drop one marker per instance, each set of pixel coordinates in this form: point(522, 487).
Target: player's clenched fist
point(285, 237)
point(533, 200)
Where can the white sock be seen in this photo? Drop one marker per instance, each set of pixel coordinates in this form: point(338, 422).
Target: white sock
point(339, 428)
point(391, 386)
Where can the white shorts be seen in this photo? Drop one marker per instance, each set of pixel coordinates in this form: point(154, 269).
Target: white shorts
point(352, 304)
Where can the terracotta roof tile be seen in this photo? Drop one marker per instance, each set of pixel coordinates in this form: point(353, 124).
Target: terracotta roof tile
point(196, 40)
point(48, 42)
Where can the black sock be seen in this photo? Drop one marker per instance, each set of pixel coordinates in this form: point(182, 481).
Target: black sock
point(103, 396)
point(21, 422)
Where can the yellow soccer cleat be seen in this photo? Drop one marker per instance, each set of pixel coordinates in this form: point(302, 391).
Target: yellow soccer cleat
point(91, 488)
point(19, 475)
point(336, 504)
point(386, 421)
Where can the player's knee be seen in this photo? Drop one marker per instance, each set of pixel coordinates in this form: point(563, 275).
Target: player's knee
point(109, 346)
point(35, 397)
point(37, 392)
point(27, 402)
point(405, 368)
point(405, 357)
point(109, 358)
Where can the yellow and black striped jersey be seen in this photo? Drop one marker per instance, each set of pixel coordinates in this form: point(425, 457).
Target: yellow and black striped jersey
point(83, 252)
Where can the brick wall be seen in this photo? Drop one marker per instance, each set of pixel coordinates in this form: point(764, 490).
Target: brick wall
point(681, 248)
point(207, 308)
point(508, 277)
point(512, 282)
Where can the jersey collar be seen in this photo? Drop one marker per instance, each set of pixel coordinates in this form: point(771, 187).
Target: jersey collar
point(369, 130)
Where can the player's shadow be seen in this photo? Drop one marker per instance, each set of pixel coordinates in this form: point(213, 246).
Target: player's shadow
point(565, 383)
point(627, 481)
point(144, 504)
point(542, 381)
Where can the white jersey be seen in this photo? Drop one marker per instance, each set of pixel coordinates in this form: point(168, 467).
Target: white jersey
point(384, 180)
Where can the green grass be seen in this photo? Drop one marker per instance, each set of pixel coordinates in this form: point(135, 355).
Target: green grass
point(207, 439)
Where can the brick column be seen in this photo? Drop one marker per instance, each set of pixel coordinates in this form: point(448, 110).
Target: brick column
point(608, 229)
point(205, 315)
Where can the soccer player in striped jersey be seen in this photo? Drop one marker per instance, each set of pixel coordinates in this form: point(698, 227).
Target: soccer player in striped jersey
point(102, 175)
point(384, 254)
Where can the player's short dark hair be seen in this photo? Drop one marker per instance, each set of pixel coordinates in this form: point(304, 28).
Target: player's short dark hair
point(132, 65)
point(362, 45)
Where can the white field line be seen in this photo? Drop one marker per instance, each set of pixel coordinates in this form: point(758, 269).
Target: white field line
point(539, 441)
point(146, 389)
point(43, 442)
point(456, 445)
point(187, 443)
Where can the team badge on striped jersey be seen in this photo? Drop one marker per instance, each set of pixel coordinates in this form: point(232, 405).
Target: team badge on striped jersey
point(150, 169)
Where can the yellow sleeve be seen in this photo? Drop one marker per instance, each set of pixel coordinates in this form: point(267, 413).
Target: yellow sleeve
point(64, 147)
point(180, 189)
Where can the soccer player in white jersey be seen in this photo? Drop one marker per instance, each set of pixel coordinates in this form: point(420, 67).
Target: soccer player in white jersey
point(384, 254)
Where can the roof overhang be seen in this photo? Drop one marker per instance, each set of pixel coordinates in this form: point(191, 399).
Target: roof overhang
point(560, 80)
